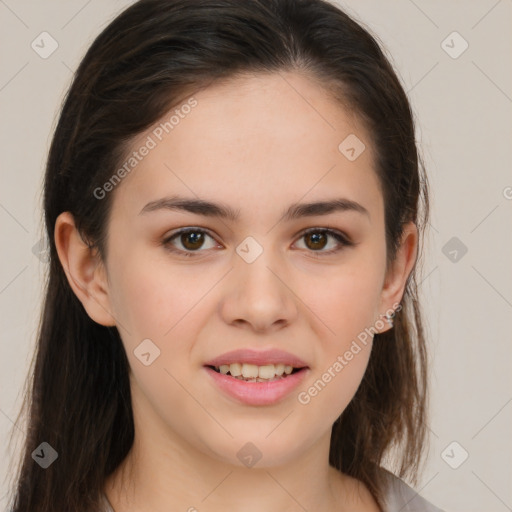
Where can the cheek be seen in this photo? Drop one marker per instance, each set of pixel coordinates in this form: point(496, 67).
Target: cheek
point(345, 297)
point(157, 301)
point(346, 301)
point(164, 303)
point(151, 296)
point(343, 350)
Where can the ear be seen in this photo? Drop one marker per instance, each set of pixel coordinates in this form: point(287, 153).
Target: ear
point(84, 270)
point(399, 271)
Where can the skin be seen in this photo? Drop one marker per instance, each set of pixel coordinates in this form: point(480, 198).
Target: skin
point(258, 144)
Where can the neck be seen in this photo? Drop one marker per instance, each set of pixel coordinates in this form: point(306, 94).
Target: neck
point(166, 470)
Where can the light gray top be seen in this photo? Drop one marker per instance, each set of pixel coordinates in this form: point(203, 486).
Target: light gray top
point(400, 497)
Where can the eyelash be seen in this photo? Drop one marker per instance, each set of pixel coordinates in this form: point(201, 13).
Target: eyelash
point(342, 239)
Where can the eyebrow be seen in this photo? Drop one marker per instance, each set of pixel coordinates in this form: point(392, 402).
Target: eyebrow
point(211, 209)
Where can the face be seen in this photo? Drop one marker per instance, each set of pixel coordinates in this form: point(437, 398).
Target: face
point(270, 277)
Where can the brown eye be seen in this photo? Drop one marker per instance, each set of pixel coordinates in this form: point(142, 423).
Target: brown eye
point(317, 239)
point(188, 241)
point(192, 240)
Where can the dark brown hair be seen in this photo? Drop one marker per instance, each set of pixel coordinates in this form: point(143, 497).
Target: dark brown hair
point(142, 64)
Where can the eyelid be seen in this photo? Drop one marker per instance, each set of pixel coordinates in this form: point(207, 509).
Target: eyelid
point(330, 231)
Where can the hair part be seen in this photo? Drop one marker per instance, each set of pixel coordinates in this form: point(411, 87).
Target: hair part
point(150, 57)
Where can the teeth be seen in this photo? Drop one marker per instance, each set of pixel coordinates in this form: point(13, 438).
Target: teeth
point(266, 372)
point(235, 369)
point(249, 371)
point(255, 372)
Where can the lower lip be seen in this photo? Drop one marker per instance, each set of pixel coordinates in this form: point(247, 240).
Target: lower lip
point(257, 393)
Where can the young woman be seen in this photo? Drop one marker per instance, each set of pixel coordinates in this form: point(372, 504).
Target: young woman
point(234, 206)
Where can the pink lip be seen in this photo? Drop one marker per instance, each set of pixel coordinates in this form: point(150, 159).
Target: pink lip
point(259, 358)
point(257, 393)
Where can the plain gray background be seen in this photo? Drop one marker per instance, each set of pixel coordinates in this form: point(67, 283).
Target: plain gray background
point(462, 101)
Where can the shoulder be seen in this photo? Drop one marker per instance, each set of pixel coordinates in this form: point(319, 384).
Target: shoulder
point(106, 506)
point(401, 497)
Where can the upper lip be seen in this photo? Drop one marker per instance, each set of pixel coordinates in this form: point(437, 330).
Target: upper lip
point(259, 358)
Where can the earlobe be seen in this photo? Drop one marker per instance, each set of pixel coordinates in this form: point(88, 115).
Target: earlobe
point(398, 272)
point(84, 270)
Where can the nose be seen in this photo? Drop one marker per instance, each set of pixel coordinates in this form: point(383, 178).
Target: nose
point(259, 296)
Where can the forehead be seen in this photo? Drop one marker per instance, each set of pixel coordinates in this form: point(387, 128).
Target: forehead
point(253, 140)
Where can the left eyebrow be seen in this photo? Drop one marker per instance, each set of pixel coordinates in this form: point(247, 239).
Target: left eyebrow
point(211, 209)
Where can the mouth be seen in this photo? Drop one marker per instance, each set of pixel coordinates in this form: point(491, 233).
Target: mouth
point(246, 386)
point(257, 377)
point(248, 372)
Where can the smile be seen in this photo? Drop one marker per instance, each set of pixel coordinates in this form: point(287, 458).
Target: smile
point(252, 390)
point(254, 373)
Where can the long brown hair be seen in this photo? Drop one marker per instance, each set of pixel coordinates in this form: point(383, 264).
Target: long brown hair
point(142, 64)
